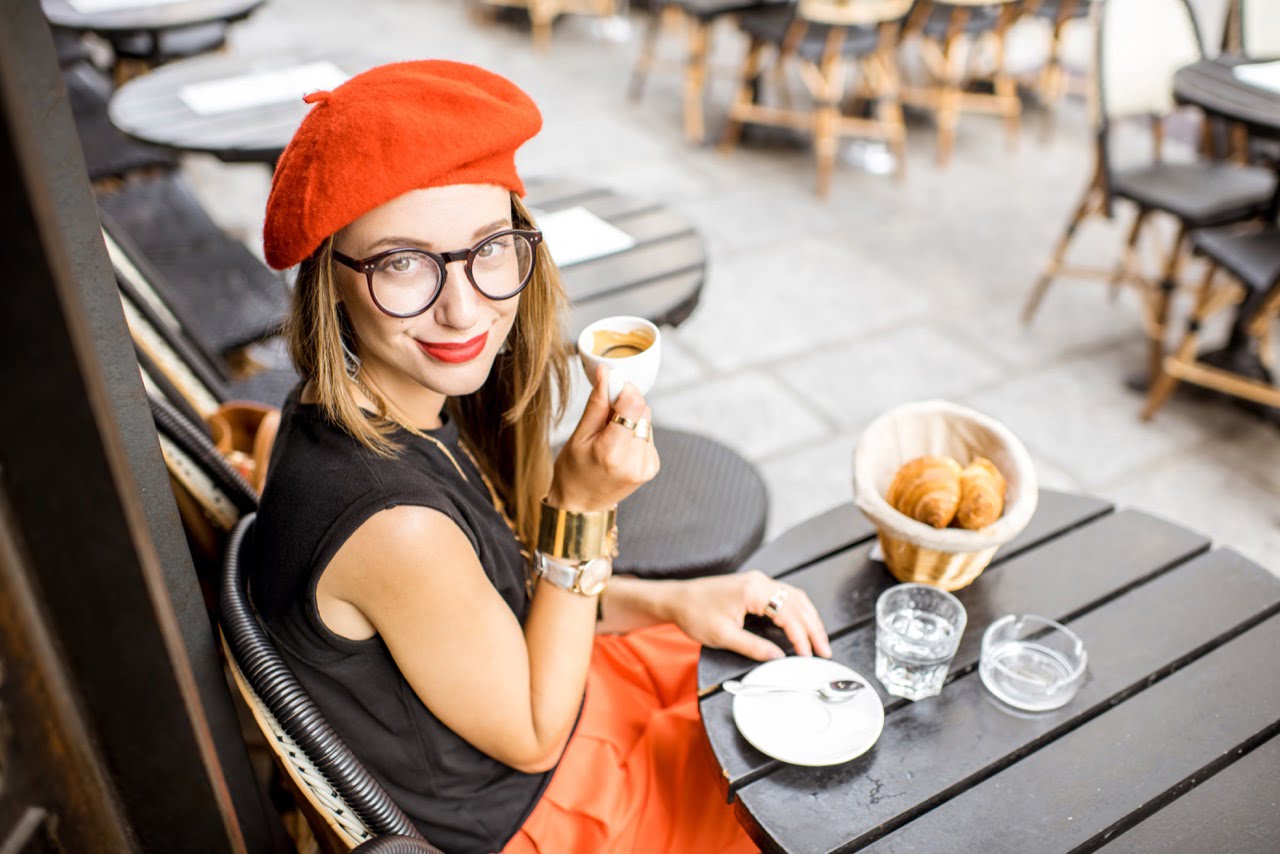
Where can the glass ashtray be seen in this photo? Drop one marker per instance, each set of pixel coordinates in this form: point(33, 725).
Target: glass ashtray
point(1032, 663)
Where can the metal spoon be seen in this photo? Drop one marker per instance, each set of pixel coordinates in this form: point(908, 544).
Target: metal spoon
point(836, 691)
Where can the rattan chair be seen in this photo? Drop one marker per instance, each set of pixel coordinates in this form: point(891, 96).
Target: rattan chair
point(1249, 255)
point(226, 297)
point(698, 18)
point(1140, 44)
point(1059, 15)
point(343, 800)
point(949, 34)
point(822, 38)
point(109, 155)
point(543, 13)
point(1253, 29)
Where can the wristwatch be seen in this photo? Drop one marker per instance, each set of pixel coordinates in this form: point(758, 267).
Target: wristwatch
point(586, 579)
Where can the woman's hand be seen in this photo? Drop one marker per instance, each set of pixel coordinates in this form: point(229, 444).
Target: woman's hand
point(603, 462)
point(712, 611)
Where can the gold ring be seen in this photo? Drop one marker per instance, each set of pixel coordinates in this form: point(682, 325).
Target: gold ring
point(776, 601)
point(619, 418)
point(644, 430)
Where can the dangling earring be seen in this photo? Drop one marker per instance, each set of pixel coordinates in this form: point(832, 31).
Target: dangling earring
point(350, 361)
point(505, 348)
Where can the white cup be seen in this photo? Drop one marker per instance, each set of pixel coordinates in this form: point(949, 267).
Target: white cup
point(640, 369)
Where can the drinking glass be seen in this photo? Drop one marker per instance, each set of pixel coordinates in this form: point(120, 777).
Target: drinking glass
point(918, 630)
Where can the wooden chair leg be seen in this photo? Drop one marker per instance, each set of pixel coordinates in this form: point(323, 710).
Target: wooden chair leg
point(1125, 268)
point(1006, 90)
point(957, 56)
point(826, 120)
point(1165, 383)
point(889, 109)
point(695, 79)
point(1163, 296)
point(742, 101)
point(648, 50)
point(1087, 206)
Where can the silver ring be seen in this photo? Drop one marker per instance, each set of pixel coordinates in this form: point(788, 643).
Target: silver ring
point(776, 601)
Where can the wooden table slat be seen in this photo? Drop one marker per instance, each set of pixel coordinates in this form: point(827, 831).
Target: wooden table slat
point(1065, 577)
point(938, 748)
point(1236, 810)
point(1122, 765)
point(845, 586)
point(838, 529)
point(624, 270)
point(550, 194)
point(668, 301)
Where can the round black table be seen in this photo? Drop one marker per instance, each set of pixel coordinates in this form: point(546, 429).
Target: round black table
point(150, 17)
point(150, 108)
point(659, 278)
point(1181, 690)
point(1211, 85)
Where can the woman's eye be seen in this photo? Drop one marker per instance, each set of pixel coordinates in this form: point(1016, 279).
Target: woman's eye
point(406, 263)
point(494, 247)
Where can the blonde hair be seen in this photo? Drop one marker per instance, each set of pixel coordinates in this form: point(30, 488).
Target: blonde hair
point(506, 422)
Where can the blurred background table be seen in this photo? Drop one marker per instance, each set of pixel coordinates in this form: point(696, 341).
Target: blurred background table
point(151, 108)
point(659, 278)
point(151, 33)
point(1181, 688)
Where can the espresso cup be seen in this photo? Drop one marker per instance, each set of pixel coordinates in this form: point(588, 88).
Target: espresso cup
point(631, 347)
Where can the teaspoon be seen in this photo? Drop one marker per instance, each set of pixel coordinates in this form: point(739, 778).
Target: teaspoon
point(836, 691)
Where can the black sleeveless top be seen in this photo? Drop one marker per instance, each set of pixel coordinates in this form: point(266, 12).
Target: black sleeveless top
point(322, 485)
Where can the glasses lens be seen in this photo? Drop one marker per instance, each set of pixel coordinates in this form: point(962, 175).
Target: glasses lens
point(405, 282)
point(501, 265)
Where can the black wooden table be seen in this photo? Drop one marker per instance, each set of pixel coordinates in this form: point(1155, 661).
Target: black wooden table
point(659, 278)
point(1211, 85)
point(147, 18)
point(150, 108)
point(1170, 745)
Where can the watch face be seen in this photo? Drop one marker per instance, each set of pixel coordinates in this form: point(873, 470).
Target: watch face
point(595, 575)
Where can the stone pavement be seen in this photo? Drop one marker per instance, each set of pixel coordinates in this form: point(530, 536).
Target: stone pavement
point(818, 315)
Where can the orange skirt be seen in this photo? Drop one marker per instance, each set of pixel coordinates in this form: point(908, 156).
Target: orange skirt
point(638, 775)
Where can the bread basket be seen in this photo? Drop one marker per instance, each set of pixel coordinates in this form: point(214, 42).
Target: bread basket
point(949, 558)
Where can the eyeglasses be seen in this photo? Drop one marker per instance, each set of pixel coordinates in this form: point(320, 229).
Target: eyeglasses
point(407, 282)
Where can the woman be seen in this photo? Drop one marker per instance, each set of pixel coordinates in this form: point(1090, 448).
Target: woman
point(450, 643)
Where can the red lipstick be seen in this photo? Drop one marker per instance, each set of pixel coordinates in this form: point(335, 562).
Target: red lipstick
point(455, 353)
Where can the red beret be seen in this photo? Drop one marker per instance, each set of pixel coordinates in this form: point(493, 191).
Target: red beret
point(392, 129)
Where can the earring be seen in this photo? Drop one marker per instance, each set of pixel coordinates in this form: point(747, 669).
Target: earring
point(350, 361)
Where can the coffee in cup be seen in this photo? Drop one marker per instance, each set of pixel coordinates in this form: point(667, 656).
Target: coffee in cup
point(629, 346)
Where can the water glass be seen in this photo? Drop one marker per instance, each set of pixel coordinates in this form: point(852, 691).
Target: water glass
point(918, 630)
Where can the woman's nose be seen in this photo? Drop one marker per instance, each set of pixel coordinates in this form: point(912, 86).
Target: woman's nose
point(459, 303)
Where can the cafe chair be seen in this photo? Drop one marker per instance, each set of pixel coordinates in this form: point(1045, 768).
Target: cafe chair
point(698, 18)
point(187, 373)
point(345, 806)
point(962, 47)
point(1058, 15)
point(543, 13)
point(822, 38)
point(1249, 254)
point(109, 155)
point(226, 297)
point(1134, 79)
point(1253, 29)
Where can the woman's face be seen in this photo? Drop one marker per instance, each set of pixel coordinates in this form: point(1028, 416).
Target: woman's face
point(406, 355)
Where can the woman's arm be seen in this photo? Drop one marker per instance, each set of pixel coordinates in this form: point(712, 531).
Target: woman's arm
point(512, 693)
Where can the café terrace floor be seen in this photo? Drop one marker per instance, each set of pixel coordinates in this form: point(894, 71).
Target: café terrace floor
point(817, 316)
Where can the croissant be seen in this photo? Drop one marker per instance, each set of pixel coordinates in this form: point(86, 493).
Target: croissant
point(927, 489)
point(981, 495)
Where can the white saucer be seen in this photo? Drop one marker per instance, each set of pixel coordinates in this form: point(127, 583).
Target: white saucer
point(802, 728)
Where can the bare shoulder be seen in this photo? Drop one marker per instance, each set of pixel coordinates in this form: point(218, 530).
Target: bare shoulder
point(404, 554)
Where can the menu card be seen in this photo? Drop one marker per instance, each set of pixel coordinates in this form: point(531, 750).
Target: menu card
point(89, 7)
point(260, 88)
point(574, 235)
point(1264, 75)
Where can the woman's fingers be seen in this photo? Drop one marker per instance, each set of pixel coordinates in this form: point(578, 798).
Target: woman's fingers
point(751, 645)
point(795, 614)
